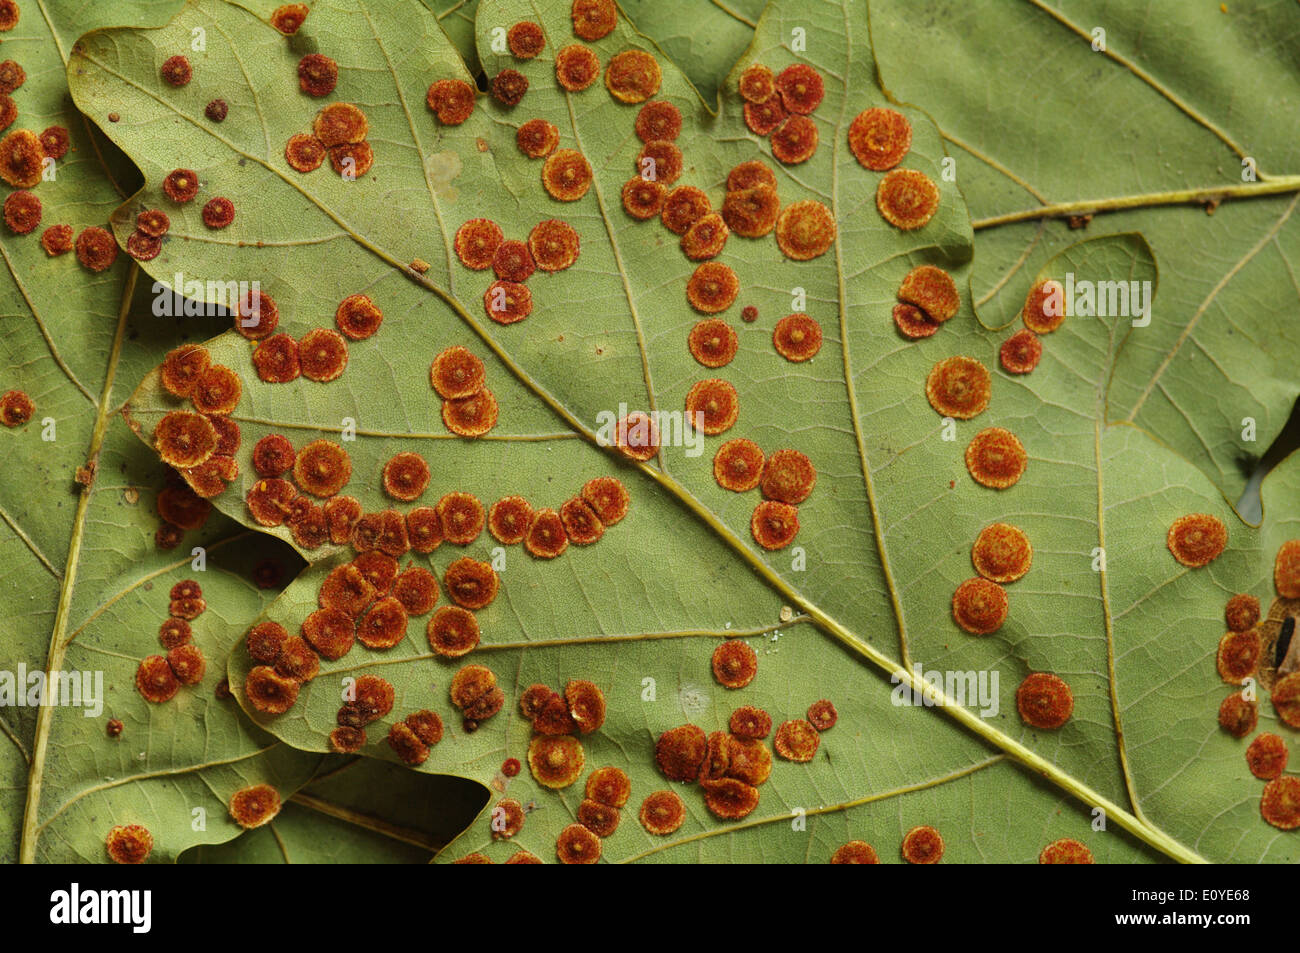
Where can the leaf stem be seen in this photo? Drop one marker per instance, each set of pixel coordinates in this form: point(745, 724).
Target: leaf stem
point(59, 646)
point(1209, 196)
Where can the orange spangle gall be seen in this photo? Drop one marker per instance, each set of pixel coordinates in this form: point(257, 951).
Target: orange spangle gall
point(416, 589)
point(187, 608)
point(288, 18)
point(554, 244)
point(713, 286)
point(800, 87)
point(995, 458)
point(265, 641)
point(167, 536)
point(735, 664)
point(474, 858)
point(637, 436)
point(979, 606)
point(1044, 309)
point(805, 230)
point(176, 71)
point(633, 76)
point(187, 664)
point(680, 752)
point(642, 199)
point(257, 315)
point(276, 359)
point(96, 248)
point(553, 717)
point(114, 728)
point(907, 199)
point(762, 118)
point(57, 240)
point(347, 590)
point(181, 185)
point(922, 845)
point(797, 337)
point(461, 516)
point(513, 261)
point(384, 624)
point(712, 405)
point(353, 160)
point(16, 408)
point(566, 175)
point(406, 476)
point(1065, 851)
point(174, 632)
point(506, 819)
point(683, 207)
point(451, 100)
point(347, 740)
point(471, 584)
point(143, 248)
point(1238, 656)
point(218, 212)
point(751, 213)
point(273, 455)
point(729, 798)
point(507, 302)
point(209, 478)
point(330, 632)
point(533, 699)
point(659, 120)
point(713, 343)
point(1280, 803)
point(322, 355)
point(660, 160)
point(508, 519)
point(508, 87)
point(582, 526)
point(1021, 352)
point(216, 110)
point(774, 525)
point(22, 212)
point(608, 497)
point(601, 819)
point(546, 538)
point(155, 680)
point(577, 845)
point(374, 697)
point(594, 19)
point(341, 515)
point(609, 786)
point(1002, 553)
point(322, 468)
point(822, 715)
point(576, 67)
point(855, 852)
point(662, 813)
point(537, 138)
point(932, 290)
point(182, 507)
point(1286, 699)
point(752, 174)
point(749, 723)
point(254, 806)
point(182, 368)
point(340, 124)
point(756, 84)
point(1237, 716)
point(1044, 701)
point(796, 740)
point(217, 391)
point(586, 705)
point(794, 140)
point(228, 435)
point(1241, 612)
point(452, 632)
point(129, 844)
point(789, 477)
point(379, 569)
point(1286, 569)
point(56, 141)
point(183, 439)
point(913, 323)
point(1267, 756)
point(12, 76)
point(1197, 539)
point(880, 138)
point(525, 40)
point(304, 152)
point(268, 501)
point(426, 724)
point(22, 159)
point(555, 760)
point(317, 74)
point(456, 373)
point(958, 387)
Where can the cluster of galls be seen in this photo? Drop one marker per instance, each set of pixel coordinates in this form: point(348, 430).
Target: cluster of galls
point(469, 408)
point(338, 131)
point(159, 677)
point(23, 155)
point(200, 446)
point(1268, 653)
point(780, 106)
point(785, 479)
point(553, 245)
point(320, 355)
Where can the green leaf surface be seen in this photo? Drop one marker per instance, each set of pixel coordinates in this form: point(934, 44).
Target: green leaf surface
point(85, 587)
point(885, 538)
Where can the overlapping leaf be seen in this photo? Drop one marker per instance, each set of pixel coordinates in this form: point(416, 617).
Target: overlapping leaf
point(886, 535)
